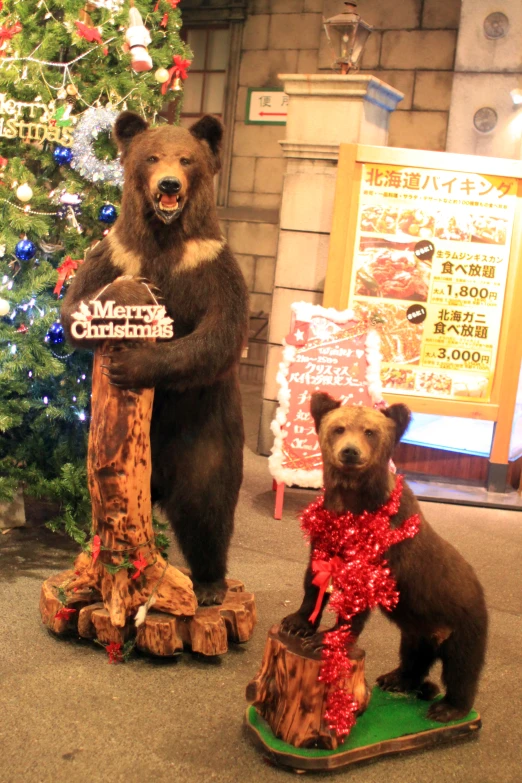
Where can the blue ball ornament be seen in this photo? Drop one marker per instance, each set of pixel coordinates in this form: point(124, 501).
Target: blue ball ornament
point(107, 213)
point(25, 250)
point(62, 155)
point(56, 334)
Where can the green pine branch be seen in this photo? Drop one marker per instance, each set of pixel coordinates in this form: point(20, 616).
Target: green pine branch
point(45, 389)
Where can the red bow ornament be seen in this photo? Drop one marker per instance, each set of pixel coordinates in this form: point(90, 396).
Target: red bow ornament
point(172, 3)
point(140, 565)
point(95, 548)
point(177, 71)
point(65, 270)
point(64, 613)
point(6, 33)
point(325, 572)
point(115, 652)
point(91, 34)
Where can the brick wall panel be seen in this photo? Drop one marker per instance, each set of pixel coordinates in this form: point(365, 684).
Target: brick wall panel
point(426, 49)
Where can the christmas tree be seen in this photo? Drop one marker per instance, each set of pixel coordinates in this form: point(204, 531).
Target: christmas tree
point(66, 69)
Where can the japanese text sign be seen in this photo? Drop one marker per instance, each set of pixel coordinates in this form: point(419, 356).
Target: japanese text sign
point(430, 266)
point(327, 351)
point(266, 107)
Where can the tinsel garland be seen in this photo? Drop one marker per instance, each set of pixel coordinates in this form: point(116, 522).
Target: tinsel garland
point(93, 122)
point(349, 550)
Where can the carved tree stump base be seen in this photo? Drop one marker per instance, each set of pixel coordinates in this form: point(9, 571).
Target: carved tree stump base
point(287, 692)
point(207, 632)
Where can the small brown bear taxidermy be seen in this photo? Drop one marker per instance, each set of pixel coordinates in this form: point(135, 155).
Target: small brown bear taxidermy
point(441, 611)
point(168, 233)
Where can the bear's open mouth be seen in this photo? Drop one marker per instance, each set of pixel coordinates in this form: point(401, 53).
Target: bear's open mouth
point(168, 207)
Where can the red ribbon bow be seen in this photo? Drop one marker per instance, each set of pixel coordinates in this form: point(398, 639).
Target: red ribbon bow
point(6, 33)
point(177, 71)
point(172, 3)
point(64, 613)
point(324, 571)
point(140, 565)
point(65, 270)
point(91, 34)
point(95, 548)
point(115, 652)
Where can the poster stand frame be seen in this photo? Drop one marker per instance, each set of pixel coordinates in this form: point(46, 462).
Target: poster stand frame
point(501, 407)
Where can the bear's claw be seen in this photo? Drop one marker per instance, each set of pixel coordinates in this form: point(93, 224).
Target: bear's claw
point(395, 682)
point(210, 593)
point(392, 681)
point(443, 712)
point(297, 625)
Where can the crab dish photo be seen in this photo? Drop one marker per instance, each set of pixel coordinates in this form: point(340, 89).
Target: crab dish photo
point(400, 339)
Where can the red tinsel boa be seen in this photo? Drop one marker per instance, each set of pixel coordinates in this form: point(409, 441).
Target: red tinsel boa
point(348, 550)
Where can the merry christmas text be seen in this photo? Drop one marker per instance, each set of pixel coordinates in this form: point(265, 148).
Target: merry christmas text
point(140, 322)
point(31, 121)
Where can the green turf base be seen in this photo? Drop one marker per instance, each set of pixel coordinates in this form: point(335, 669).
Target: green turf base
point(378, 731)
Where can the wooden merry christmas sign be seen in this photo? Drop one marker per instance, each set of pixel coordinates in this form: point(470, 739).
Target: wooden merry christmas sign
point(107, 320)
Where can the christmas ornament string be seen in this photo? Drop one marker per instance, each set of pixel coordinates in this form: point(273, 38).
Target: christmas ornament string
point(26, 210)
point(31, 59)
point(349, 550)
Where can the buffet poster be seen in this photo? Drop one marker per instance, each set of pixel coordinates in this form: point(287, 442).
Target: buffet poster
point(429, 273)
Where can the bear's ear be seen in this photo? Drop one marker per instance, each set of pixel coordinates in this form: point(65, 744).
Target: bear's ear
point(128, 125)
point(210, 130)
point(401, 416)
point(321, 404)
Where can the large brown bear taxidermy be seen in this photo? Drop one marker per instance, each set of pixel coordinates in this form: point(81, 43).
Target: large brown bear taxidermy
point(441, 610)
point(168, 234)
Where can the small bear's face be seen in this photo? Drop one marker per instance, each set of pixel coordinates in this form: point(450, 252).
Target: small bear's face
point(356, 439)
point(166, 163)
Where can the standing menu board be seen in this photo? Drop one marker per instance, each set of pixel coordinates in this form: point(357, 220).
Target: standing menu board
point(329, 351)
point(427, 247)
point(429, 272)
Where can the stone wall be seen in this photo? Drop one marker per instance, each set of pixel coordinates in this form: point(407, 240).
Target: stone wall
point(486, 71)
point(412, 48)
point(253, 235)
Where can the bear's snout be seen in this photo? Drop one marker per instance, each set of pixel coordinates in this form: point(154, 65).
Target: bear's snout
point(169, 185)
point(350, 455)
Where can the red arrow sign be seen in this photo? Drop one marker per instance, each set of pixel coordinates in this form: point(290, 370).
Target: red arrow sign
point(273, 113)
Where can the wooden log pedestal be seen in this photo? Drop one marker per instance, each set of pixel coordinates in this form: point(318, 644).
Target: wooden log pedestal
point(286, 717)
point(288, 694)
point(104, 596)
